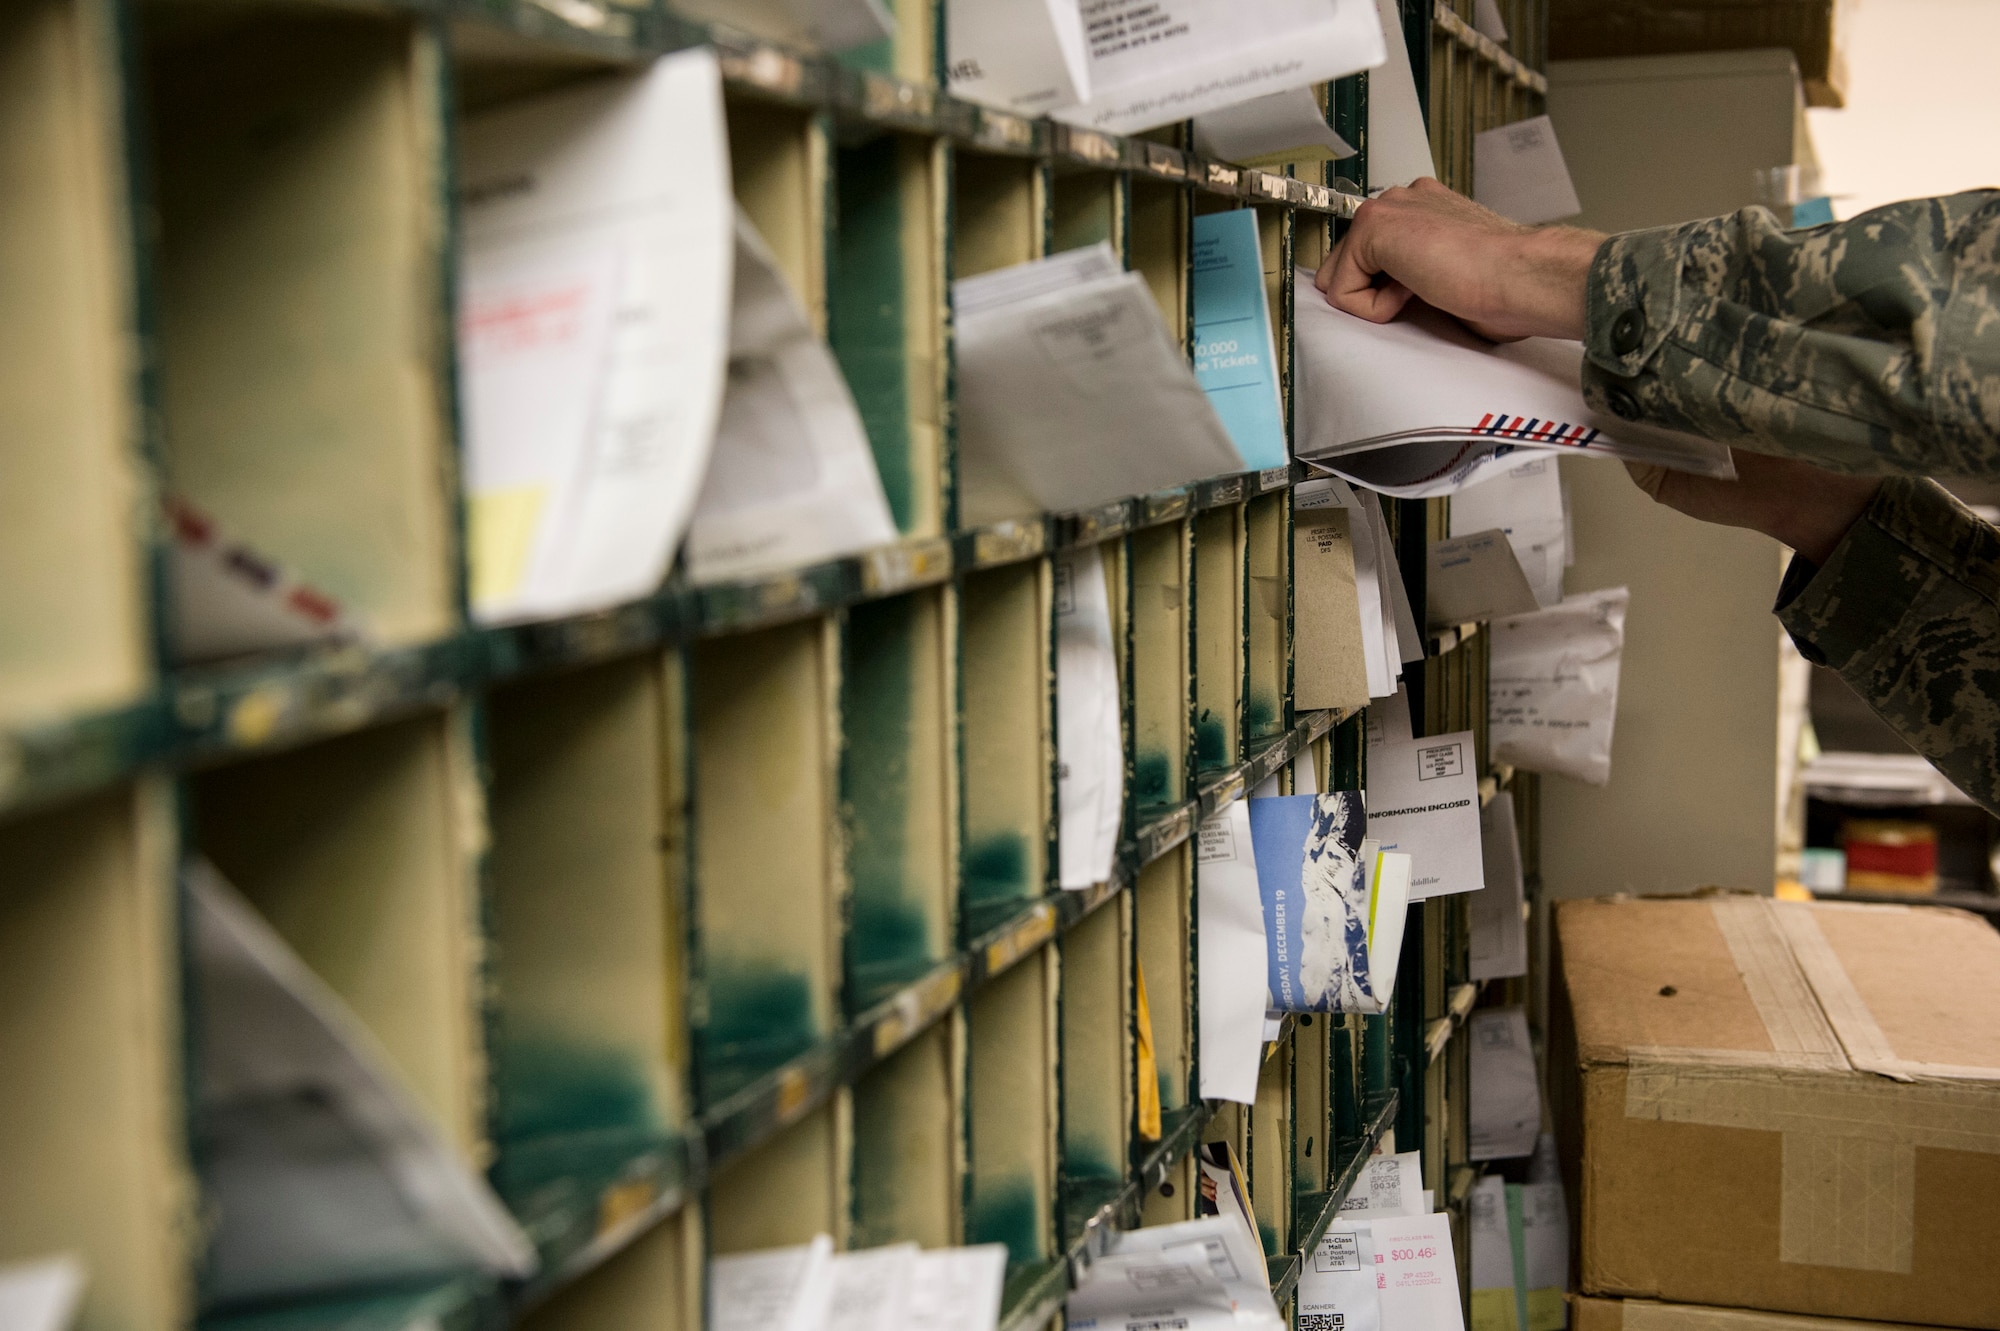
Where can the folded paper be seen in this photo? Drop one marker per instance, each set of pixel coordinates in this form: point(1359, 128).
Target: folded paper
point(1071, 392)
point(1230, 940)
point(1090, 748)
point(320, 1170)
point(1553, 686)
point(792, 479)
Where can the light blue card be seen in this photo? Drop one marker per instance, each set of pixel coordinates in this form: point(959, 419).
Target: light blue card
point(1309, 874)
point(1233, 357)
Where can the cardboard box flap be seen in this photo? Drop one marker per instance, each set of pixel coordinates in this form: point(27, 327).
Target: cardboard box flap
point(1911, 991)
point(1713, 980)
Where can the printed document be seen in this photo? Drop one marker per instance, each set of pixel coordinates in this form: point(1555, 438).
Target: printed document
point(1270, 131)
point(1553, 686)
point(1197, 1275)
point(41, 1295)
point(1422, 406)
point(594, 300)
point(1090, 749)
point(1235, 358)
point(792, 479)
point(1071, 394)
point(1423, 800)
point(1499, 943)
point(1153, 62)
point(1023, 56)
point(1475, 577)
point(1506, 1097)
point(1524, 500)
point(320, 1170)
point(779, 1289)
point(1518, 172)
point(1230, 934)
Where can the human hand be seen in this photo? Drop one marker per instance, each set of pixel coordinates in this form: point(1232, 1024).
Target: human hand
point(1803, 506)
point(1424, 240)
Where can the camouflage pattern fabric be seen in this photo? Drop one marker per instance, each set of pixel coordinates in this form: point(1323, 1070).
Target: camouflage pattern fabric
point(1867, 346)
point(1905, 610)
point(1870, 346)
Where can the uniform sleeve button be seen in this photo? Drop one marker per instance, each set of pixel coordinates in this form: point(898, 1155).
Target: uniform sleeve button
point(1628, 330)
point(1623, 404)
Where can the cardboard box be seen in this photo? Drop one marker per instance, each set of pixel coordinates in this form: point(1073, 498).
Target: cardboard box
point(1783, 1106)
point(1646, 1315)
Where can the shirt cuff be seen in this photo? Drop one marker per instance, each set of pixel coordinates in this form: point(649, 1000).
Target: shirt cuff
point(1842, 613)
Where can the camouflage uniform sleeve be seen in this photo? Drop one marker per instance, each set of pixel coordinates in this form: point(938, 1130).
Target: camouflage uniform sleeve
point(1868, 346)
point(1907, 610)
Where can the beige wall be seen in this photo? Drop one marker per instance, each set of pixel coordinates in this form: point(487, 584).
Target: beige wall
point(1694, 771)
point(1693, 792)
point(1653, 140)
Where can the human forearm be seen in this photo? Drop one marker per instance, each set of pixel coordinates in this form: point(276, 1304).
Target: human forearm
point(1425, 241)
point(1865, 346)
point(1906, 608)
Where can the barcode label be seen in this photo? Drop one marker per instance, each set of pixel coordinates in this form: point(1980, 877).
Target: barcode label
point(1158, 1324)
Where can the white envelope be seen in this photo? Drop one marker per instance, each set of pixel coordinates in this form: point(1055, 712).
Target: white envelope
point(1233, 965)
point(871, 1288)
point(1090, 748)
point(594, 299)
point(1071, 394)
point(1553, 685)
point(1421, 406)
point(792, 478)
point(1423, 800)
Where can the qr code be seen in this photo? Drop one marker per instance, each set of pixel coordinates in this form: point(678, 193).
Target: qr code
point(1322, 1322)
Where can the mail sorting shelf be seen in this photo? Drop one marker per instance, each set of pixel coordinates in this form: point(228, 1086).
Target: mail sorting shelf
point(702, 924)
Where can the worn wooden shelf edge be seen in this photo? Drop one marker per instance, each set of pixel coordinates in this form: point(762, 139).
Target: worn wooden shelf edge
point(210, 712)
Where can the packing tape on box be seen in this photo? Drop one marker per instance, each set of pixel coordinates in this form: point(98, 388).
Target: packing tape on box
point(1645, 1315)
point(1848, 1173)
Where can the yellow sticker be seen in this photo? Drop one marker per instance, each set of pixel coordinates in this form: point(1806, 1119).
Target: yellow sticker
point(500, 526)
point(1149, 1064)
